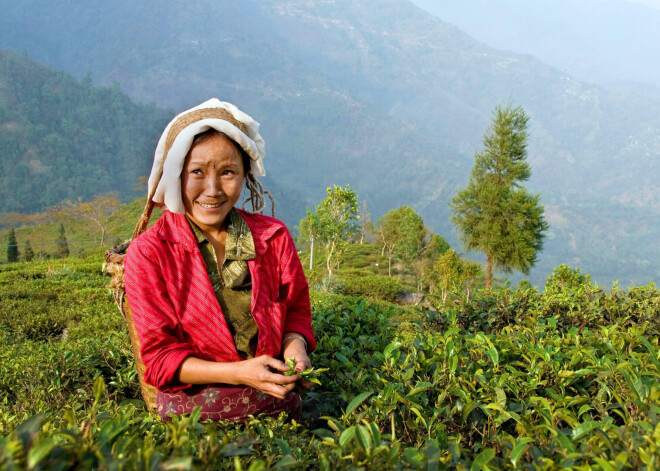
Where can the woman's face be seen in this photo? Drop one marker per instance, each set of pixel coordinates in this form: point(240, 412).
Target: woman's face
point(211, 181)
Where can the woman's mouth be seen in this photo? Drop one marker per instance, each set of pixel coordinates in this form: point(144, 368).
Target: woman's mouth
point(209, 206)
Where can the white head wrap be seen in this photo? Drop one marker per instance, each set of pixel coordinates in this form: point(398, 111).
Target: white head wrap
point(174, 144)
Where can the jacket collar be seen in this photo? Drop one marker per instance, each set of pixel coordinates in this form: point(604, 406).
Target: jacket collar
point(174, 228)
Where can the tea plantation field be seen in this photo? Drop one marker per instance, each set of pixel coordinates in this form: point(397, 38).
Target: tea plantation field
point(566, 378)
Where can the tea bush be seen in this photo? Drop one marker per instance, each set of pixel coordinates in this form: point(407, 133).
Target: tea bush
point(567, 378)
point(371, 286)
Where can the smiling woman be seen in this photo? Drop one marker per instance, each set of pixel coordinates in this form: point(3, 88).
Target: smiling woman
point(218, 295)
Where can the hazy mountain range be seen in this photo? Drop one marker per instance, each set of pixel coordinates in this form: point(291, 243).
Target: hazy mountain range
point(384, 96)
point(597, 41)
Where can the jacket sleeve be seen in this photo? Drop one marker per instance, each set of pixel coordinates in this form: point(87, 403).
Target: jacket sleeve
point(294, 293)
point(162, 347)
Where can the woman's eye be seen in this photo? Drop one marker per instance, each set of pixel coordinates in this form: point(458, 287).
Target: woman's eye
point(196, 171)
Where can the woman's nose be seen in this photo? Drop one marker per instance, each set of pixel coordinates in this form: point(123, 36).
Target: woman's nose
point(213, 186)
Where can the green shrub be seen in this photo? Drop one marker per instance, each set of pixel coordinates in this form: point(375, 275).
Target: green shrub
point(372, 286)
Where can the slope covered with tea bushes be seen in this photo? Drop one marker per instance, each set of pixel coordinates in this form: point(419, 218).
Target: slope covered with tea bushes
point(564, 378)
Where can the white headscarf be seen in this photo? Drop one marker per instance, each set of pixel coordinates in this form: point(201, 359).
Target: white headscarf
point(177, 138)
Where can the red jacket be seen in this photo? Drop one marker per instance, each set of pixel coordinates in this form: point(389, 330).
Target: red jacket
point(174, 307)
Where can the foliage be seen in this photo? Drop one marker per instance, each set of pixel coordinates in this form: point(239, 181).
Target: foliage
point(508, 379)
point(401, 232)
point(65, 138)
point(563, 279)
point(495, 214)
point(61, 244)
point(380, 287)
point(332, 223)
point(12, 246)
point(28, 254)
point(449, 274)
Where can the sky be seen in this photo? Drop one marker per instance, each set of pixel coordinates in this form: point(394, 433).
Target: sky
point(651, 3)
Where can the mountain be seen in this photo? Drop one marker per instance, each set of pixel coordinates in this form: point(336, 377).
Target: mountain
point(384, 96)
point(595, 41)
point(61, 138)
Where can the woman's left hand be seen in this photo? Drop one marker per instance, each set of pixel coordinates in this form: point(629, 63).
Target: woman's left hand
point(295, 348)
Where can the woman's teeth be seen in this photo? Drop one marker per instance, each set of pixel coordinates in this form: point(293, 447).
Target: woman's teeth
point(209, 205)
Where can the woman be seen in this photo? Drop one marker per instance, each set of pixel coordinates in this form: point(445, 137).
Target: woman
point(218, 295)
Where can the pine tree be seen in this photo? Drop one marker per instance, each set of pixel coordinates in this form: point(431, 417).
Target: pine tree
point(12, 247)
point(62, 244)
point(495, 214)
point(29, 253)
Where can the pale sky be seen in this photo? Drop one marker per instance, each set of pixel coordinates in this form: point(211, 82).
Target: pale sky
point(651, 3)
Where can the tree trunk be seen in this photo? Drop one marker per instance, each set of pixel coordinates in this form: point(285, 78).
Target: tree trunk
point(489, 270)
point(328, 264)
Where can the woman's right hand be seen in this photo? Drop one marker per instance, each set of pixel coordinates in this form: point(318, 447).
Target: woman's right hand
point(258, 373)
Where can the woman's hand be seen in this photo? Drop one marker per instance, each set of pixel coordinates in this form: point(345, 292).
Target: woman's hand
point(258, 373)
point(295, 348)
point(262, 373)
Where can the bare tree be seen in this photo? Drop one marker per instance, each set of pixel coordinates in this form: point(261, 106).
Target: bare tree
point(98, 210)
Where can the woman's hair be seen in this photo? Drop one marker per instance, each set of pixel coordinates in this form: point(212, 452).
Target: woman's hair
point(257, 192)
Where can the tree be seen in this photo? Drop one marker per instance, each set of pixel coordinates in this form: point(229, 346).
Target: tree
point(434, 248)
point(98, 210)
point(495, 214)
point(403, 233)
point(367, 226)
point(12, 246)
point(29, 253)
point(332, 223)
point(62, 249)
point(449, 273)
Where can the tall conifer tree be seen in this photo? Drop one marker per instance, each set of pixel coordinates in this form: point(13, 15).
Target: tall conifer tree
point(495, 214)
point(12, 246)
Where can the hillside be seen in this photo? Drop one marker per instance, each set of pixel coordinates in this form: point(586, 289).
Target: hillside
point(61, 138)
point(380, 95)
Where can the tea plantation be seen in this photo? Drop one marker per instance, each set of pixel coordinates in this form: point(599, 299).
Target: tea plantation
point(566, 378)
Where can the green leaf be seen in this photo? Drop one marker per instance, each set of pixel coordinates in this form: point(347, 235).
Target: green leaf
point(519, 449)
point(433, 455)
point(39, 451)
point(342, 358)
point(363, 436)
point(604, 464)
point(493, 355)
point(284, 446)
point(357, 401)
point(585, 428)
point(347, 435)
point(375, 432)
point(390, 348)
point(420, 388)
point(99, 388)
point(28, 430)
point(285, 463)
point(482, 459)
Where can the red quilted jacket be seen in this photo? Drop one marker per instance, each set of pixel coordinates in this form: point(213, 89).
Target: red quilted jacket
point(174, 307)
